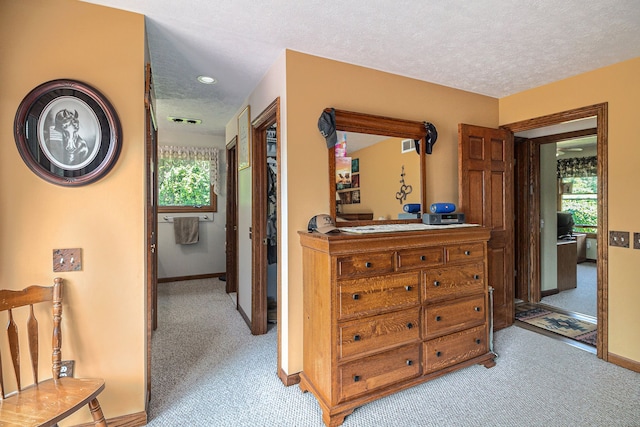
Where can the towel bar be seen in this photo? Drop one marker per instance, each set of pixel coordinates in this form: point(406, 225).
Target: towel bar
point(201, 218)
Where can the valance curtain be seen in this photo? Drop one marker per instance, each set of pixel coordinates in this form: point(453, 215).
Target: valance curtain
point(577, 167)
point(194, 153)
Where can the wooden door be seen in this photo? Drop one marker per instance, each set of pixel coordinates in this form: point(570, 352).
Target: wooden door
point(232, 218)
point(151, 208)
point(485, 168)
point(525, 233)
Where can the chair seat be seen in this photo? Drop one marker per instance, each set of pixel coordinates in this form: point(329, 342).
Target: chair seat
point(48, 402)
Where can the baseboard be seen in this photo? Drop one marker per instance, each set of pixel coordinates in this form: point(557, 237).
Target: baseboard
point(288, 380)
point(131, 420)
point(244, 316)
point(549, 293)
point(632, 365)
point(195, 277)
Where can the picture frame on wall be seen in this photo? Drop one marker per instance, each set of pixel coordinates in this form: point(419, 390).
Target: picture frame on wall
point(343, 173)
point(67, 133)
point(244, 138)
point(355, 165)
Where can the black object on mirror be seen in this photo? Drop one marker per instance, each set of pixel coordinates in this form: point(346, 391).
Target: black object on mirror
point(327, 127)
point(431, 136)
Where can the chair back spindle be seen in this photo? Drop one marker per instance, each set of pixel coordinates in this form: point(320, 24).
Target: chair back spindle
point(32, 326)
point(57, 331)
point(14, 347)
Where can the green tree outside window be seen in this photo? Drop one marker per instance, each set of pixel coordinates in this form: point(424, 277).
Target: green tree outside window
point(582, 202)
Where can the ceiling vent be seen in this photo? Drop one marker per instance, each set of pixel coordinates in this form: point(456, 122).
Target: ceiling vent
point(185, 120)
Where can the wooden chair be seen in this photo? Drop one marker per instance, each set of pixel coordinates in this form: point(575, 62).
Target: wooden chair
point(42, 403)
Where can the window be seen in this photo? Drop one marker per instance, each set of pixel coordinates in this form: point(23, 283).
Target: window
point(579, 192)
point(580, 197)
point(187, 179)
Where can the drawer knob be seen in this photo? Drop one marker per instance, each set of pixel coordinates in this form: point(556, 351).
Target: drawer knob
point(423, 258)
point(476, 276)
point(356, 378)
point(356, 296)
point(467, 252)
point(367, 264)
point(478, 341)
point(408, 288)
point(356, 337)
point(436, 283)
point(438, 354)
point(409, 362)
point(476, 308)
point(409, 325)
point(438, 318)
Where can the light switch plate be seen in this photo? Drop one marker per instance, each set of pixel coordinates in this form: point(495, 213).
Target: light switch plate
point(636, 240)
point(67, 260)
point(619, 239)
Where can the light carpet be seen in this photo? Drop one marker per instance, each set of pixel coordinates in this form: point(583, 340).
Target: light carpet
point(581, 299)
point(208, 370)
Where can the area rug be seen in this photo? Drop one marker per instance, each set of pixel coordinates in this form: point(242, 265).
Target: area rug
point(561, 324)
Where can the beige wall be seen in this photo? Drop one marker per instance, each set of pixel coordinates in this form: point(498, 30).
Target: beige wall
point(104, 309)
point(619, 86)
point(315, 83)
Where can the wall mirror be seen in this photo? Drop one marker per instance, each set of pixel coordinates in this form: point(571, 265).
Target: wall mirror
point(379, 170)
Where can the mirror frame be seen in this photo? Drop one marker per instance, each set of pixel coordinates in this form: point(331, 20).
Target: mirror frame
point(349, 121)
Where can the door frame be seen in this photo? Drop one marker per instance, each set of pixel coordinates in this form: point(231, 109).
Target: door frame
point(259, 126)
point(151, 224)
point(231, 248)
point(532, 245)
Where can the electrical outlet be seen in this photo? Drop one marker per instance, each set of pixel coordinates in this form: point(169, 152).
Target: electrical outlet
point(66, 370)
point(636, 240)
point(619, 239)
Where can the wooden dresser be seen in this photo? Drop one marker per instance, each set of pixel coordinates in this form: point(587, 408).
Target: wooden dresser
point(384, 312)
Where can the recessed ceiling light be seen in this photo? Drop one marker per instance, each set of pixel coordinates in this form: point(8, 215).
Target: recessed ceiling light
point(207, 80)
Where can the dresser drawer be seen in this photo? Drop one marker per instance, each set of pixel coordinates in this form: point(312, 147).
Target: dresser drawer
point(365, 265)
point(453, 282)
point(376, 295)
point(455, 348)
point(444, 318)
point(371, 373)
point(465, 252)
point(379, 332)
point(411, 259)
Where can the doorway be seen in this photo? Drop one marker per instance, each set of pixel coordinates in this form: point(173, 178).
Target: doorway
point(265, 224)
point(151, 220)
point(528, 207)
point(232, 219)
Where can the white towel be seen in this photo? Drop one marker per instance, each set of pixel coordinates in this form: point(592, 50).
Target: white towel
point(185, 229)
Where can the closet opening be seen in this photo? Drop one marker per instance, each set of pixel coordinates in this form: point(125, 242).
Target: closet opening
point(265, 283)
point(272, 224)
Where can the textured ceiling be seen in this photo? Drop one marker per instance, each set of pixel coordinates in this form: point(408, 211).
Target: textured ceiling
point(491, 47)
